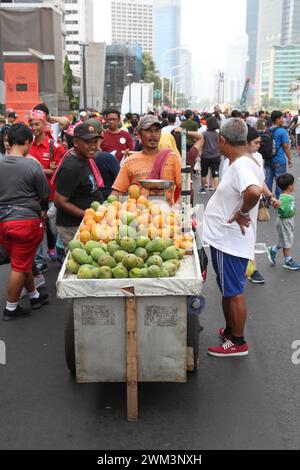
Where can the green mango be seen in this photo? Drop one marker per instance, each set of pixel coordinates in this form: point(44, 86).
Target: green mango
point(106, 260)
point(120, 272)
point(155, 261)
point(72, 267)
point(76, 244)
point(170, 253)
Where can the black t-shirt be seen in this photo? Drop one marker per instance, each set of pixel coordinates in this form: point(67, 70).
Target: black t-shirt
point(75, 180)
point(109, 168)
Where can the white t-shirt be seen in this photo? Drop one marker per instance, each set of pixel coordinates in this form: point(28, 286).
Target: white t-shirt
point(168, 129)
point(258, 157)
point(227, 200)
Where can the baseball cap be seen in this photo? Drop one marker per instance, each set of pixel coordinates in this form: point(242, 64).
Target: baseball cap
point(83, 114)
point(96, 124)
point(147, 121)
point(85, 132)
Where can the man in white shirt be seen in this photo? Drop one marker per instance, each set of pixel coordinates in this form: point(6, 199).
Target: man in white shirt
point(230, 224)
point(171, 124)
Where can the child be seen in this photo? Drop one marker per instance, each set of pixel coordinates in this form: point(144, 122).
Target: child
point(285, 223)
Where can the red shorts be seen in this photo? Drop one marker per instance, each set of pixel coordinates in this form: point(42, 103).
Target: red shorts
point(21, 238)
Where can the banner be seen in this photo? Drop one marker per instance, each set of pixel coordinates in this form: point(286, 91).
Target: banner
point(22, 87)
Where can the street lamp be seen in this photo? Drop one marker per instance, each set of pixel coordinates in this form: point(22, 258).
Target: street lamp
point(130, 76)
point(176, 91)
point(141, 82)
point(163, 70)
point(83, 45)
point(170, 78)
point(115, 64)
point(173, 86)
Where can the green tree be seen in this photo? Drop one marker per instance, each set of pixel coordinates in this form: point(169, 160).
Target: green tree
point(68, 82)
point(151, 75)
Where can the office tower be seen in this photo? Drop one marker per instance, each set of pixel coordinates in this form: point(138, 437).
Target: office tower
point(167, 22)
point(79, 29)
point(252, 29)
point(132, 23)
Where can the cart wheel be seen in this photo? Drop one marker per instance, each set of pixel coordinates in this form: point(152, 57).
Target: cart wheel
point(70, 339)
point(193, 337)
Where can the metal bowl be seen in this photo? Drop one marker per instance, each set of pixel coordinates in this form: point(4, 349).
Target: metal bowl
point(157, 184)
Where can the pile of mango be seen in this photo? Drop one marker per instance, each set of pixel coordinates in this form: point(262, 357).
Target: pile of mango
point(133, 239)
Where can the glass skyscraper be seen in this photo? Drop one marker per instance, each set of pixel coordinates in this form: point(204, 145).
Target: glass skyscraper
point(167, 14)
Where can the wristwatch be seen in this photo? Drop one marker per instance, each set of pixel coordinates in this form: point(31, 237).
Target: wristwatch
point(244, 214)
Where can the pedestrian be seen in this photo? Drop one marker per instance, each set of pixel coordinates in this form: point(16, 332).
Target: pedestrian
point(189, 125)
point(56, 124)
point(24, 192)
point(140, 166)
point(278, 164)
point(210, 155)
point(78, 183)
point(285, 224)
point(230, 224)
point(116, 140)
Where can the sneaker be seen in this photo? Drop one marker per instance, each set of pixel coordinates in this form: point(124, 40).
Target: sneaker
point(16, 314)
point(36, 304)
point(202, 191)
point(211, 188)
point(257, 278)
point(229, 349)
point(291, 265)
point(223, 335)
point(39, 281)
point(52, 255)
point(271, 255)
point(42, 268)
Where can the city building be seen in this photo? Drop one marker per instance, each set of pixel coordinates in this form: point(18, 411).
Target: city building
point(235, 75)
point(121, 60)
point(33, 65)
point(252, 30)
point(132, 23)
point(219, 88)
point(277, 49)
point(95, 75)
point(290, 22)
point(185, 69)
point(269, 35)
point(79, 28)
point(167, 20)
point(284, 70)
point(295, 93)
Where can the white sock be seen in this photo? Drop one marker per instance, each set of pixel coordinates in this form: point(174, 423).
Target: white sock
point(34, 295)
point(11, 307)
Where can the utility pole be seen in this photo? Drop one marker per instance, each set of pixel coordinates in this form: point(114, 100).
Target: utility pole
point(2, 84)
point(84, 86)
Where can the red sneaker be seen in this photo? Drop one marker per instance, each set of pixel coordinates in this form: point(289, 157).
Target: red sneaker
point(229, 349)
point(223, 335)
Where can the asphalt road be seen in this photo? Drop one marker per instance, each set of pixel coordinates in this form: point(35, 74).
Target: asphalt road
point(242, 403)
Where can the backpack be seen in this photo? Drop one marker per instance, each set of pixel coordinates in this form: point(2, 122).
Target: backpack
point(268, 148)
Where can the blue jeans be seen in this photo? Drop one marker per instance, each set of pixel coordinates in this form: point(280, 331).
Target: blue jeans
point(273, 172)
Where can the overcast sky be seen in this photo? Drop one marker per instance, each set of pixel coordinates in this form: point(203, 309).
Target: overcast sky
point(208, 28)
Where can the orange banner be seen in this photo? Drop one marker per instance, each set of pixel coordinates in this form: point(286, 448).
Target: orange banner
point(22, 87)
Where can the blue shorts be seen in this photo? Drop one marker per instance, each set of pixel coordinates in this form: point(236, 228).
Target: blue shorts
point(230, 271)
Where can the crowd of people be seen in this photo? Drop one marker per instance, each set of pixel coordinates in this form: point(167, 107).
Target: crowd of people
point(52, 168)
